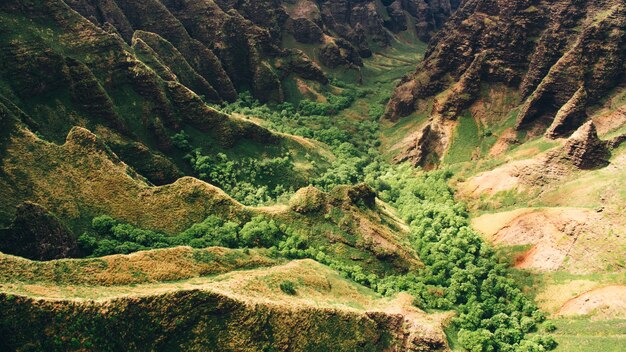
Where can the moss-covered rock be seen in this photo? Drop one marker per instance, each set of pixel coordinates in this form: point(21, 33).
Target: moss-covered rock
point(308, 200)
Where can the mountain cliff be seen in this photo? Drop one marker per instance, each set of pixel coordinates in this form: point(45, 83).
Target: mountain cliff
point(558, 59)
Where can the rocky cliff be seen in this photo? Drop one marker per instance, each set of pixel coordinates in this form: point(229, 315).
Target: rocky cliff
point(560, 57)
point(132, 72)
point(138, 72)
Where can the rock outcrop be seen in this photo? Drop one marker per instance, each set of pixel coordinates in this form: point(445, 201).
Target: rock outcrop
point(430, 16)
point(562, 57)
point(585, 150)
point(353, 25)
point(37, 234)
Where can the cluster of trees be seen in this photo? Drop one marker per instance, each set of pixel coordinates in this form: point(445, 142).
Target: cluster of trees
point(333, 104)
point(260, 182)
point(247, 180)
point(251, 181)
point(352, 142)
point(461, 272)
point(110, 236)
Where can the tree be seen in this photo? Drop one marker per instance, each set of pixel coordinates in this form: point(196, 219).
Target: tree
point(260, 232)
point(477, 341)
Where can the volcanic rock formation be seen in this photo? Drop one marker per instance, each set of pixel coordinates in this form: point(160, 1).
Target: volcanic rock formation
point(562, 57)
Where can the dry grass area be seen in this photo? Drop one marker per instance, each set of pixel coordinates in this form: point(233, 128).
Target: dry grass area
point(565, 226)
point(576, 232)
point(159, 265)
point(217, 271)
point(82, 179)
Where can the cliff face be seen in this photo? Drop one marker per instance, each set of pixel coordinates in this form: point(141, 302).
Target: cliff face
point(232, 44)
point(347, 29)
point(138, 72)
point(561, 57)
point(132, 72)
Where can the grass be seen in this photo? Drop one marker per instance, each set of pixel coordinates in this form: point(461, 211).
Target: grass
point(585, 335)
point(249, 277)
point(239, 308)
point(466, 141)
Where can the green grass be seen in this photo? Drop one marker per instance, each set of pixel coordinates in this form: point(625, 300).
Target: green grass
point(466, 141)
point(585, 335)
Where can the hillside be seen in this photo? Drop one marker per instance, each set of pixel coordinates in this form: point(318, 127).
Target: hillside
point(312, 175)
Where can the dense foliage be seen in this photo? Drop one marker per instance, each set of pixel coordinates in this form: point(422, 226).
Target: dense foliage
point(113, 237)
point(461, 272)
point(249, 180)
point(254, 182)
point(353, 142)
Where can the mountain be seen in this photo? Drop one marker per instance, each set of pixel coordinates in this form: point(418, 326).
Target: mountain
point(312, 175)
point(555, 61)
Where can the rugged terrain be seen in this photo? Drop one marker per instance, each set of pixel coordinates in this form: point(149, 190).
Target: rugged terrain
point(551, 63)
point(312, 175)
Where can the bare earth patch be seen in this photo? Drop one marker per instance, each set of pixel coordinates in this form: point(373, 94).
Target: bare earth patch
point(606, 302)
point(577, 240)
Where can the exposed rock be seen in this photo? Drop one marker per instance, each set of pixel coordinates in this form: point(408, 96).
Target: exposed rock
point(427, 147)
point(339, 52)
point(617, 141)
point(305, 31)
point(585, 150)
point(397, 21)
point(217, 36)
point(297, 62)
point(37, 234)
point(430, 16)
point(563, 56)
point(570, 115)
point(461, 94)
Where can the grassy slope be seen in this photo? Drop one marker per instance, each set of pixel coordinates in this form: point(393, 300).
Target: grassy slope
point(603, 188)
point(220, 289)
point(52, 38)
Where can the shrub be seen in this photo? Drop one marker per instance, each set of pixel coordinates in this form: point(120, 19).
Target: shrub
point(549, 326)
point(288, 287)
point(113, 237)
point(260, 232)
point(477, 341)
point(246, 179)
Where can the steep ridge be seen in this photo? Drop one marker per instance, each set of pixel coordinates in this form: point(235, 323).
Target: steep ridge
point(138, 72)
point(59, 70)
point(212, 309)
point(239, 42)
point(557, 58)
point(82, 179)
point(107, 106)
